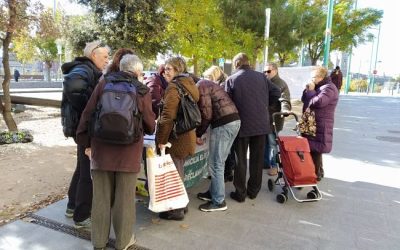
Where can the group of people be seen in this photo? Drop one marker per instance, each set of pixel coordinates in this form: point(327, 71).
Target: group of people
point(238, 109)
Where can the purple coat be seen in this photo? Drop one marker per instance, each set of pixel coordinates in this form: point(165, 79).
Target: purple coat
point(323, 102)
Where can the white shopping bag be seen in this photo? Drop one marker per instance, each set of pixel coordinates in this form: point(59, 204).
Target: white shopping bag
point(166, 188)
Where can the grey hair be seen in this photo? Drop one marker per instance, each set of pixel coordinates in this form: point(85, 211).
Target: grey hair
point(240, 60)
point(131, 63)
point(273, 65)
point(92, 46)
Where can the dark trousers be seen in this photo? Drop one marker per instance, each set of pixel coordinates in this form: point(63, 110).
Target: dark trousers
point(80, 190)
point(230, 162)
point(317, 159)
point(256, 163)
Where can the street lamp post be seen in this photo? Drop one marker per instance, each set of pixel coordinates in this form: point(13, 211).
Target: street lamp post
point(376, 59)
point(372, 73)
point(328, 31)
point(266, 34)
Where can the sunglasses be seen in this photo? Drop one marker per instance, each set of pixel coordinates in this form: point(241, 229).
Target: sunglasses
point(267, 71)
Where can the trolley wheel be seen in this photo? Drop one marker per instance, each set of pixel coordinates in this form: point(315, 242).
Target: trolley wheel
point(312, 195)
point(281, 198)
point(270, 185)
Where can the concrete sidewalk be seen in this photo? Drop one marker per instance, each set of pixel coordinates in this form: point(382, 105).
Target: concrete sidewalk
point(359, 210)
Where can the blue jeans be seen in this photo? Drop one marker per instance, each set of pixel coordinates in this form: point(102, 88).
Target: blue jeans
point(221, 141)
point(270, 151)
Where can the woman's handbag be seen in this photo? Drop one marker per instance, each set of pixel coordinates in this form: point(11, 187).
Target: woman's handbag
point(307, 123)
point(188, 116)
point(166, 188)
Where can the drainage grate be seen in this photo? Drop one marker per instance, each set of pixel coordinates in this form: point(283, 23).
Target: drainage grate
point(389, 138)
point(60, 227)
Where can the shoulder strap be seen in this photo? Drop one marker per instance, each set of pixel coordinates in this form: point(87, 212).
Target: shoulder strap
point(90, 73)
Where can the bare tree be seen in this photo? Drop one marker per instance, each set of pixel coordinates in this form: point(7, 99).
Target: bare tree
point(10, 26)
point(13, 16)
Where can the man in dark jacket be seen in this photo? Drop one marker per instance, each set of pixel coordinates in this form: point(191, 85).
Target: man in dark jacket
point(337, 77)
point(252, 92)
point(16, 75)
point(80, 79)
point(271, 71)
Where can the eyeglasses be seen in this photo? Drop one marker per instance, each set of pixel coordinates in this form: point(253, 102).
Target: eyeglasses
point(267, 71)
point(168, 69)
point(100, 45)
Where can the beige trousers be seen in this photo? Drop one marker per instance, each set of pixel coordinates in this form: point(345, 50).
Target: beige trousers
point(113, 199)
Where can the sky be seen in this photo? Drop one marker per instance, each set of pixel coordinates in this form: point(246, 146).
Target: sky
point(388, 51)
point(389, 41)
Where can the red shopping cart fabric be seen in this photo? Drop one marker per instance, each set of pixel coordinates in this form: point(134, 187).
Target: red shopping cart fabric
point(296, 160)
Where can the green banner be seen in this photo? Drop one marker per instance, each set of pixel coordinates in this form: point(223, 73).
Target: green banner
point(196, 166)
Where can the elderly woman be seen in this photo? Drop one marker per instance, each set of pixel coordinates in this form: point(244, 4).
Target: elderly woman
point(114, 167)
point(184, 144)
point(321, 96)
point(217, 110)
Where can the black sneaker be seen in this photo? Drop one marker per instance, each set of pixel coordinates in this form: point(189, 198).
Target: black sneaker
point(237, 197)
point(204, 196)
point(210, 207)
point(176, 214)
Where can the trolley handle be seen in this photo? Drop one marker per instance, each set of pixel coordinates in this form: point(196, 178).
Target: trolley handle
point(284, 114)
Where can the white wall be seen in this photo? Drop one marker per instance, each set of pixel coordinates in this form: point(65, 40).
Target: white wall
point(296, 78)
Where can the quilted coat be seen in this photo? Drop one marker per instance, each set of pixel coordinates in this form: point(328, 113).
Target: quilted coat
point(322, 100)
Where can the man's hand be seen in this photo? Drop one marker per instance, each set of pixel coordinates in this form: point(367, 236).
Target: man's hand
point(199, 141)
point(88, 153)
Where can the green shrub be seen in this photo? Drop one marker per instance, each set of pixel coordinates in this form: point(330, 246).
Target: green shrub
point(23, 136)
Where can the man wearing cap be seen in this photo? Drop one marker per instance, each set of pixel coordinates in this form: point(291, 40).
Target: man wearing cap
point(80, 78)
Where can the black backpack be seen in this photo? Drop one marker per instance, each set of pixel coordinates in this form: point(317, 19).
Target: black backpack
point(117, 119)
point(69, 115)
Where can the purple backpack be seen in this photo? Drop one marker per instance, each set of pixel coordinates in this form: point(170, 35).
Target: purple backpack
point(117, 119)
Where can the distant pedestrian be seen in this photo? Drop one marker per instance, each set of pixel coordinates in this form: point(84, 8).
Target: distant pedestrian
point(337, 77)
point(217, 110)
point(16, 75)
point(271, 71)
point(114, 167)
point(321, 96)
point(80, 78)
point(252, 92)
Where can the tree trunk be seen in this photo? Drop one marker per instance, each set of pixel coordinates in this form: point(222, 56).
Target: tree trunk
point(6, 108)
point(48, 65)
